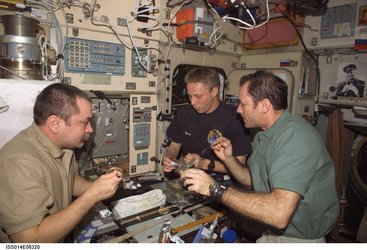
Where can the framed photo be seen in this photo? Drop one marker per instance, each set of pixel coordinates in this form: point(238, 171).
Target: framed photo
point(362, 17)
point(351, 80)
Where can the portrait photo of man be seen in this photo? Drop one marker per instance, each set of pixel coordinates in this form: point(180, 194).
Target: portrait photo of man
point(349, 84)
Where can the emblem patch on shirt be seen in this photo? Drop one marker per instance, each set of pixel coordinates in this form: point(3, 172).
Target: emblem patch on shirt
point(213, 135)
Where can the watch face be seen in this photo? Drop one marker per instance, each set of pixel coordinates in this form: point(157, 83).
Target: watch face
point(216, 191)
point(213, 188)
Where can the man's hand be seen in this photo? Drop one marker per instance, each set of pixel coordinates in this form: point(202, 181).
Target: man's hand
point(353, 89)
point(222, 148)
point(54, 227)
point(197, 181)
point(169, 164)
point(105, 186)
point(199, 161)
point(171, 154)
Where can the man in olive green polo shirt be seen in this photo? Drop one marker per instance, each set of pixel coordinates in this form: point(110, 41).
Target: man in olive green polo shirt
point(290, 171)
point(39, 171)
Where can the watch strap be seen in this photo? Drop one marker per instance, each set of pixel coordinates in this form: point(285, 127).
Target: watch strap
point(216, 191)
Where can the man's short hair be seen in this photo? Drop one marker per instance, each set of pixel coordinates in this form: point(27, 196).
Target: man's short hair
point(57, 99)
point(265, 85)
point(206, 75)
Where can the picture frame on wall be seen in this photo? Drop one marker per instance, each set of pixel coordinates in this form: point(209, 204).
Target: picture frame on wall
point(362, 17)
point(351, 80)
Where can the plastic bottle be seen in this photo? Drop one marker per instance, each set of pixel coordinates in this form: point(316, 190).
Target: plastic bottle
point(229, 236)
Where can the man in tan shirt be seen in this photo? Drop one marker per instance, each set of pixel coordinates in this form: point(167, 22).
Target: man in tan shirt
point(39, 171)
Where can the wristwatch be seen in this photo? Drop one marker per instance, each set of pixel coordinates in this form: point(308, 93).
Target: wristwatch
point(211, 166)
point(216, 191)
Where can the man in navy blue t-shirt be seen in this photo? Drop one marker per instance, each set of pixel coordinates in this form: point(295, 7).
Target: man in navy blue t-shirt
point(188, 132)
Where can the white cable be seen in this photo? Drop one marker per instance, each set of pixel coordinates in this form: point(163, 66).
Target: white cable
point(268, 15)
point(44, 44)
point(213, 37)
point(50, 6)
point(50, 9)
point(148, 2)
point(246, 26)
point(213, 9)
point(135, 47)
point(168, 51)
point(171, 37)
point(249, 26)
point(252, 18)
point(66, 25)
point(40, 43)
point(130, 47)
point(147, 10)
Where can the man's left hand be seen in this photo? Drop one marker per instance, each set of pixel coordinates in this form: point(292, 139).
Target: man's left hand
point(197, 180)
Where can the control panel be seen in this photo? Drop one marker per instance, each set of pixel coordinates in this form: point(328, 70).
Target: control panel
point(141, 135)
point(143, 111)
point(338, 28)
point(137, 70)
point(111, 121)
point(88, 56)
point(339, 21)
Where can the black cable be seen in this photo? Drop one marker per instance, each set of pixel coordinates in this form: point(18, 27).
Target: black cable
point(101, 95)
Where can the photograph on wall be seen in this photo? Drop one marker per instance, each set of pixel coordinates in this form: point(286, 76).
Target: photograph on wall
point(362, 17)
point(351, 80)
